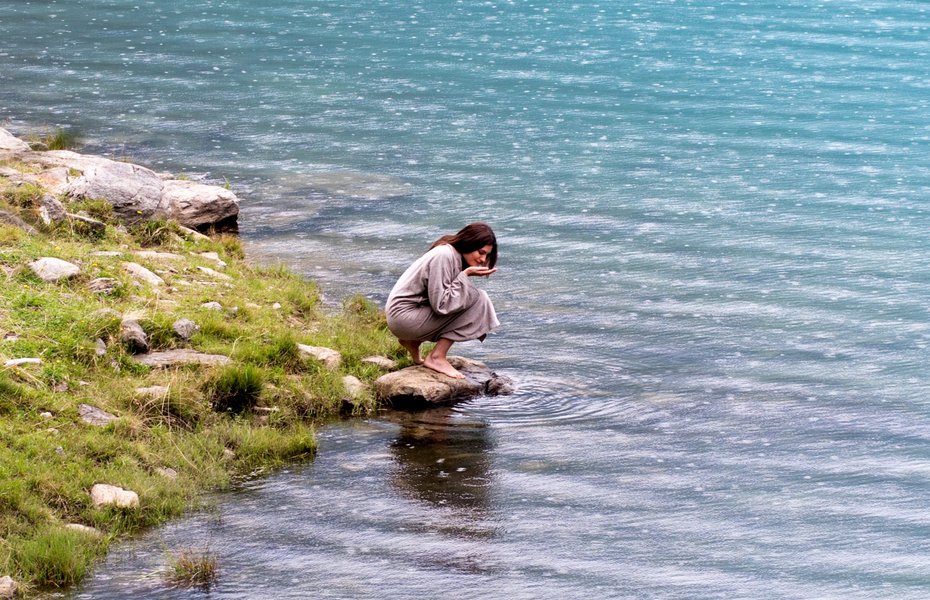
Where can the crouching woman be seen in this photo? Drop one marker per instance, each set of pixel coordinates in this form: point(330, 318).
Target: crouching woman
point(434, 300)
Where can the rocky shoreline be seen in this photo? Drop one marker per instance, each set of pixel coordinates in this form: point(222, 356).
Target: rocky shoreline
point(115, 357)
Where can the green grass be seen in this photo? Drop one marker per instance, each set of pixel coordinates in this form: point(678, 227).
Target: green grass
point(211, 425)
point(193, 568)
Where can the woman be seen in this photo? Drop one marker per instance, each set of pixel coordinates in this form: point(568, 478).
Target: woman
point(434, 300)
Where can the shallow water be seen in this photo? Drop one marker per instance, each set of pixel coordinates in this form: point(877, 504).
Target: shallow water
point(713, 279)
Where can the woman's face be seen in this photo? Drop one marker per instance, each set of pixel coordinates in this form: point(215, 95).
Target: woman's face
point(479, 257)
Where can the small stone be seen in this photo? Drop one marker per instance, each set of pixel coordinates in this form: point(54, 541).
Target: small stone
point(133, 336)
point(354, 386)
point(49, 268)
point(51, 210)
point(167, 472)
point(106, 253)
point(330, 358)
point(185, 328)
point(100, 347)
point(95, 416)
point(46, 415)
point(15, 362)
point(212, 305)
point(102, 285)
point(215, 274)
point(140, 272)
point(214, 257)
point(59, 450)
point(155, 392)
point(53, 431)
point(382, 362)
point(93, 531)
point(228, 454)
point(60, 387)
point(103, 494)
point(154, 254)
point(8, 587)
point(276, 306)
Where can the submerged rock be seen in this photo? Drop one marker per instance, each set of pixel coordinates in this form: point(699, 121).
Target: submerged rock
point(419, 387)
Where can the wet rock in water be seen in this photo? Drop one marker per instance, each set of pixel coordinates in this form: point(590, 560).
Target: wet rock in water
point(49, 268)
point(180, 356)
point(330, 358)
point(103, 494)
point(185, 328)
point(419, 387)
point(95, 416)
point(133, 336)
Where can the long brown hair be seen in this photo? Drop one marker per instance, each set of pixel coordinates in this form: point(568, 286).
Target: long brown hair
point(473, 236)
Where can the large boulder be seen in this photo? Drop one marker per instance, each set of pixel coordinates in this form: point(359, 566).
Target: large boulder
point(196, 204)
point(418, 387)
point(134, 192)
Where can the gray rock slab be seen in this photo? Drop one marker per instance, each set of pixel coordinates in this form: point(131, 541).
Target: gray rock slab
point(95, 416)
point(49, 268)
point(11, 143)
point(11, 219)
point(140, 272)
point(418, 387)
point(181, 356)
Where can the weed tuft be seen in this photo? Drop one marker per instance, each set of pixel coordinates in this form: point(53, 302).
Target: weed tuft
point(193, 568)
point(235, 389)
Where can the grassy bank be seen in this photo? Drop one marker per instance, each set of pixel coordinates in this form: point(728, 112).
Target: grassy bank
point(210, 426)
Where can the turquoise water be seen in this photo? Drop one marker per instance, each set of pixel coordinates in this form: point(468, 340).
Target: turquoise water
point(713, 279)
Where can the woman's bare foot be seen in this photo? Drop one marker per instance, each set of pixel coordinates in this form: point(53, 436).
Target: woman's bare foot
point(413, 347)
point(442, 365)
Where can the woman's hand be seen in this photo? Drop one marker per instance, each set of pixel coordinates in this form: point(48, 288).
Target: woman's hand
point(479, 271)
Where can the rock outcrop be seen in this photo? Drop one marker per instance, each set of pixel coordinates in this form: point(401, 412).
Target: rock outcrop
point(135, 192)
point(418, 387)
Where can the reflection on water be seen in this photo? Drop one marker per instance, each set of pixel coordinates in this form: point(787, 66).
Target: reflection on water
point(441, 459)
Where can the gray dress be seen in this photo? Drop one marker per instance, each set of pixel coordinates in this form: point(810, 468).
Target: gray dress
point(435, 299)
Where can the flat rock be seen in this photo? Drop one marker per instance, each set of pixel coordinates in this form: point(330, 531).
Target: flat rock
point(49, 268)
point(95, 416)
point(103, 494)
point(140, 272)
point(155, 392)
point(419, 387)
point(181, 356)
point(93, 531)
point(382, 362)
point(330, 358)
point(214, 273)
